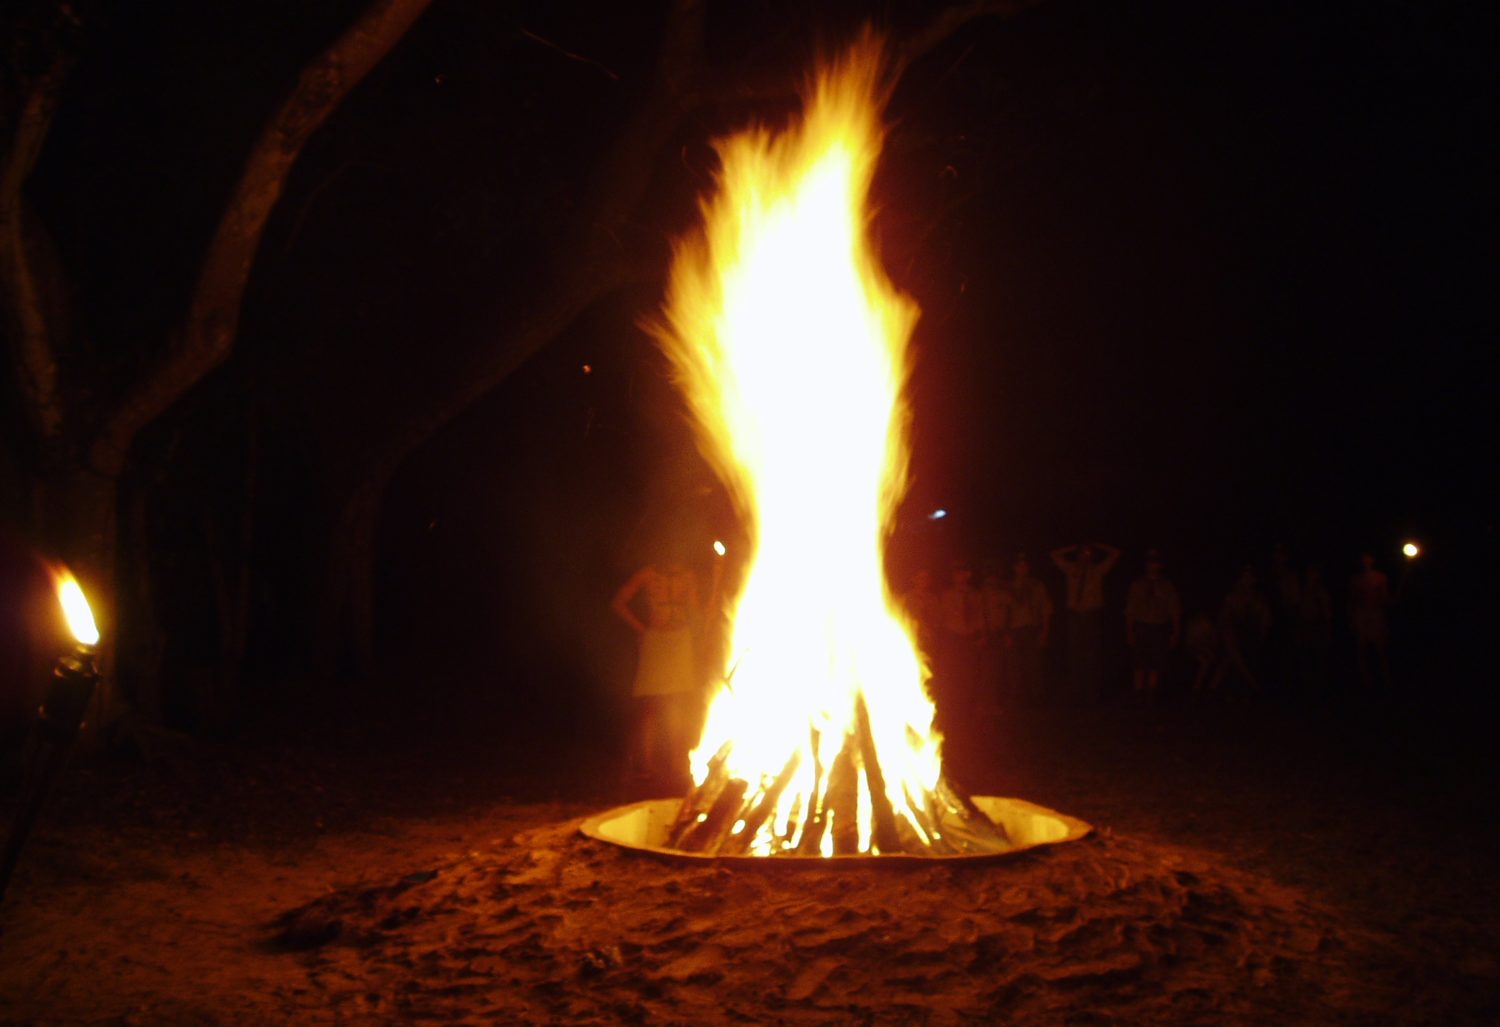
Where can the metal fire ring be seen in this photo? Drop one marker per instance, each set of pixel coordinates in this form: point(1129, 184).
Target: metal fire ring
point(643, 826)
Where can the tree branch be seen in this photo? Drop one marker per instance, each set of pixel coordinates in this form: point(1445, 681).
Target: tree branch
point(938, 31)
point(591, 262)
point(34, 357)
point(207, 335)
point(569, 54)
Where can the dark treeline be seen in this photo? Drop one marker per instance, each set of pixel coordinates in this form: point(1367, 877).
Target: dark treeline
point(1199, 279)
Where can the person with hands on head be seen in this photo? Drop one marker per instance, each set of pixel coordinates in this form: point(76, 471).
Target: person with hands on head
point(1084, 566)
point(668, 681)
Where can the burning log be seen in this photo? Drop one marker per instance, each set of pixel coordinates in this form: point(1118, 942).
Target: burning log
point(708, 834)
point(817, 820)
point(884, 816)
point(967, 824)
point(793, 822)
point(739, 842)
point(723, 816)
point(701, 798)
point(911, 842)
point(928, 823)
point(973, 813)
point(843, 800)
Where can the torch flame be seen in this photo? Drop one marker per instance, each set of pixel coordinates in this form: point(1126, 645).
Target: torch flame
point(790, 345)
point(76, 609)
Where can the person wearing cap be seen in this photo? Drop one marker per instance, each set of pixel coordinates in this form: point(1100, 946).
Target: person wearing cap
point(1153, 621)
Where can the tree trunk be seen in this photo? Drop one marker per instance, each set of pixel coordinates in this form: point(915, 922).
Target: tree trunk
point(231, 565)
point(590, 262)
point(78, 504)
point(345, 624)
point(234, 623)
point(208, 332)
point(33, 355)
point(142, 644)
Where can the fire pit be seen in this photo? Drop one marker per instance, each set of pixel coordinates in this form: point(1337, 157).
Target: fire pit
point(790, 346)
point(647, 826)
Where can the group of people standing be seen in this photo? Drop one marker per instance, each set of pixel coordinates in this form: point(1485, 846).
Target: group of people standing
point(986, 640)
point(1278, 637)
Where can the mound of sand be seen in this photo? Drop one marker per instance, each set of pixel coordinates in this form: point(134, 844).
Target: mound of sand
point(554, 927)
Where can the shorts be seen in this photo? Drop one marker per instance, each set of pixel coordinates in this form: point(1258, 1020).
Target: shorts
point(667, 664)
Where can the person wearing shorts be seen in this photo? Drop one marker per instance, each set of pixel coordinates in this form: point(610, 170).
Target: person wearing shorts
point(668, 687)
point(1153, 622)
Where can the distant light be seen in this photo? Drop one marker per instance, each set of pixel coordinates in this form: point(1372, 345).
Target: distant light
point(719, 547)
point(588, 368)
point(937, 514)
point(1411, 550)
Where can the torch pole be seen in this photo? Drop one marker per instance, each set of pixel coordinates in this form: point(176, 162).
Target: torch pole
point(60, 717)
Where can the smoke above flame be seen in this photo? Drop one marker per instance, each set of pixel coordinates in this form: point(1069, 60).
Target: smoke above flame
point(790, 346)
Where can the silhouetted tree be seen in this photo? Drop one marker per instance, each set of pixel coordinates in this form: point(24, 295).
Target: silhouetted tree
point(598, 249)
point(83, 423)
point(83, 416)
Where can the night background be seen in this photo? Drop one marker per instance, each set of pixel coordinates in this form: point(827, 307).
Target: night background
point(1201, 277)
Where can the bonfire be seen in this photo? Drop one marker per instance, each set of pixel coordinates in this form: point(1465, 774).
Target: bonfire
point(790, 345)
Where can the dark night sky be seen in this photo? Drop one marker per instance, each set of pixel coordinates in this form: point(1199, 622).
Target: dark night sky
point(1205, 276)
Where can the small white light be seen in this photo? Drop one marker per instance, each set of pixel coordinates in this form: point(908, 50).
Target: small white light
point(937, 514)
point(1411, 550)
point(719, 547)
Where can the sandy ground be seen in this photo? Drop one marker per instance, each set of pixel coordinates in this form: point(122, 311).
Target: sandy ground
point(1250, 866)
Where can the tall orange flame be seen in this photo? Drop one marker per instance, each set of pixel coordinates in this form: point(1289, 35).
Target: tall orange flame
point(790, 345)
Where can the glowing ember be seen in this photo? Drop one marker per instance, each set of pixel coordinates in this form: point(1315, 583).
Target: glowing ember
point(76, 609)
point(791, 347)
